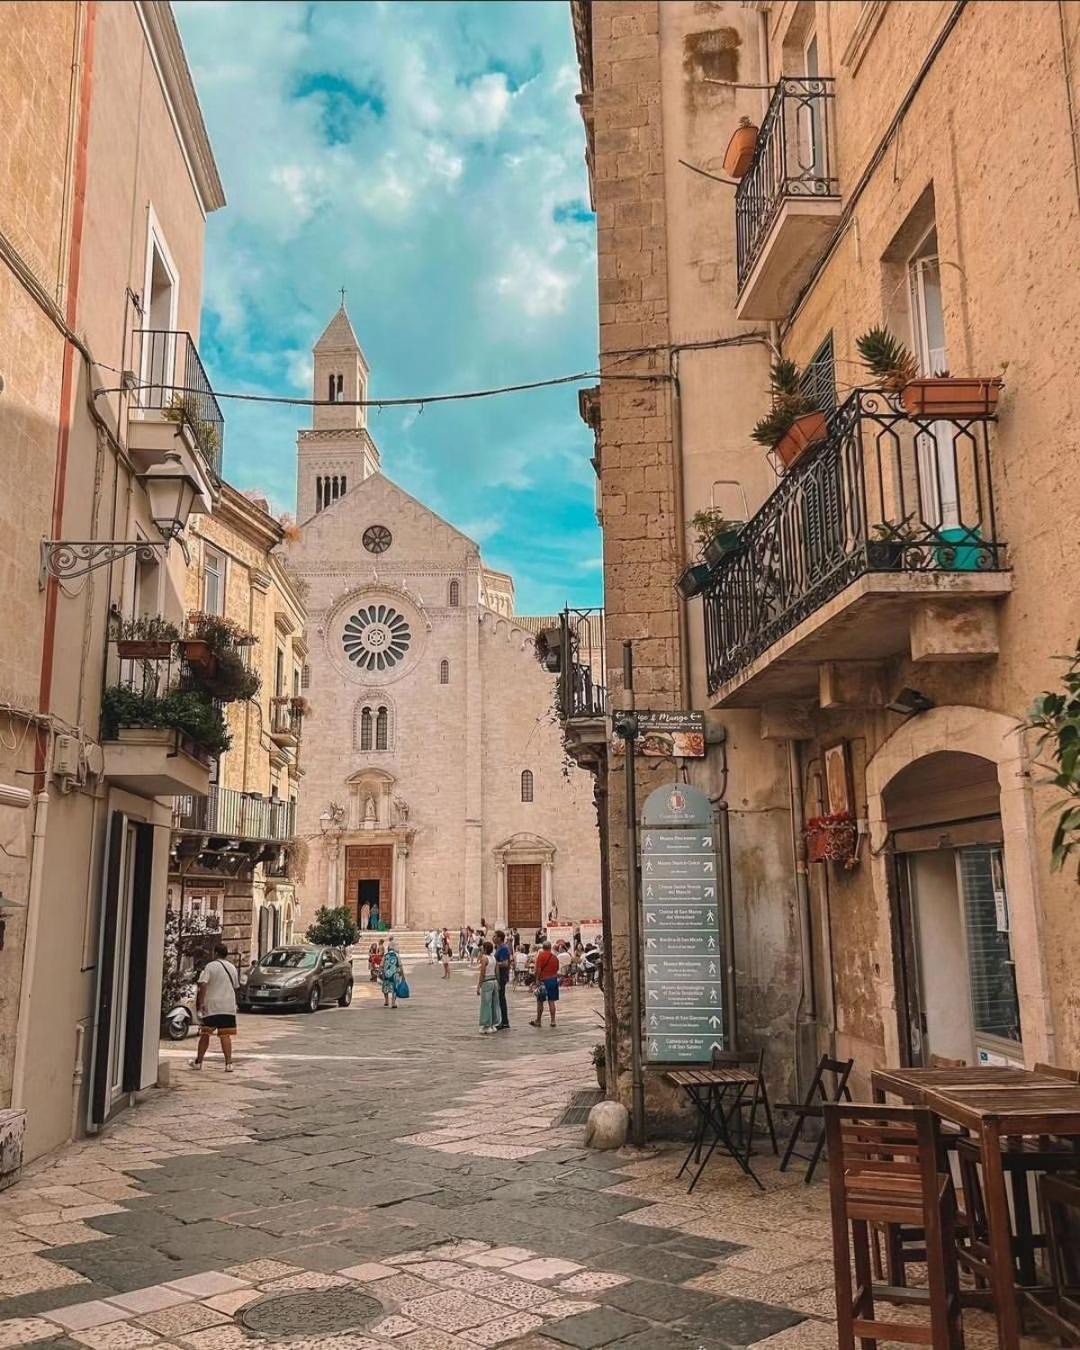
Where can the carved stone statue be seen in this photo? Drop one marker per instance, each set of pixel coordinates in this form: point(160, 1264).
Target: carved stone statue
point(402, 808)
point(370, 813)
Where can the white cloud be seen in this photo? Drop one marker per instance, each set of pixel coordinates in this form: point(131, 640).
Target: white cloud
point(534, 284)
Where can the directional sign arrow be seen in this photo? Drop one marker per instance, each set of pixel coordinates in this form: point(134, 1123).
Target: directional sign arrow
point(652, 970)
point(716, 1046)
point(710, 892)
point(650, 942)
point(714, 1022)
point(652, 993)
point(707, 866)
point(650, 918)
point(707, 841)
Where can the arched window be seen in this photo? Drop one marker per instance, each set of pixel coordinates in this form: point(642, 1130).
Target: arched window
point(344, 485)
point(330, 395)
point(444, 672)
point(382, 730)
point(365, 729)
point(318, 493)
point(455, 593)
point(526, 785)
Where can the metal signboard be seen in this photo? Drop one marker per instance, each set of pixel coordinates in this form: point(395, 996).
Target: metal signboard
point(666, 735)
point(680, 927)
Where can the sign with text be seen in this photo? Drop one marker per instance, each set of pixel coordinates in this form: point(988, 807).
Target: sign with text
point(680, 927)
point(560, 932)
point(664, 735)
point(591, 930)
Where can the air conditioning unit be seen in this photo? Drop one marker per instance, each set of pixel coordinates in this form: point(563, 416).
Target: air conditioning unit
point(94, 759)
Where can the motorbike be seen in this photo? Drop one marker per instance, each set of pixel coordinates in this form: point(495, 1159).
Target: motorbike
point(176, 1023)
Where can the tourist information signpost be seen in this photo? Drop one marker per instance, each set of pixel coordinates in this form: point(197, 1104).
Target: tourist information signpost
point(684, 1016)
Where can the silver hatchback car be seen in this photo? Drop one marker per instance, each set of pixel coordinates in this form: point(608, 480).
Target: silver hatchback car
point(302, 977)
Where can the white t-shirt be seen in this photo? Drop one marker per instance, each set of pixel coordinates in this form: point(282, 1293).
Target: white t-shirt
point(521, 960)
point(219, 979)
point(564, 961)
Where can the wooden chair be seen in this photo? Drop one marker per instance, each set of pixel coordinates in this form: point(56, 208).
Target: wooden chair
point(943, 1062)
point(810, 1109)
point(1067, 1075)
point(1059, 1305)
point(885, 1168)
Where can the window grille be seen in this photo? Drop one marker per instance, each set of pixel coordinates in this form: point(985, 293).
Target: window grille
point(526, 785)
point(444, 672)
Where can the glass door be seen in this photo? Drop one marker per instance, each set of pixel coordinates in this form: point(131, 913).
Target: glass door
point(936, 451)
point(995, 1007)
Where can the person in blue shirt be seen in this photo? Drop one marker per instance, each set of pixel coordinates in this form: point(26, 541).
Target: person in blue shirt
point(503, 959)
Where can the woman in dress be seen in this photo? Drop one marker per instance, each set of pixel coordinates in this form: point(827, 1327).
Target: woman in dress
point(487, 989)
point(391, 974)
point(374, 961)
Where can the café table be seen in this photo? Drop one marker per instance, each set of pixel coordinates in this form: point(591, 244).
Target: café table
point(994, 1104)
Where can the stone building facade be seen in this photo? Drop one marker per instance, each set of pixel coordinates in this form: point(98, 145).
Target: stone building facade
point(235, 852)
point(106, 179)
point(436, 789)
point(850, 656)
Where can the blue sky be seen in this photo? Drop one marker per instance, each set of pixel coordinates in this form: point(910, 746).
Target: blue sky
point(429, 158)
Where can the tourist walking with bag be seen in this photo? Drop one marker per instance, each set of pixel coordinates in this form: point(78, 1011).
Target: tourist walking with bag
point(215, 1005)
point(392, 975)
point(547, 983)
point(486, 988)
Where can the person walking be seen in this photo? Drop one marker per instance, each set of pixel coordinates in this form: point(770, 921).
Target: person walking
point(503, 958)
point(486, 988)
point(392, 973)
point(215, 1006)
point(447, 953)
point(547, 983)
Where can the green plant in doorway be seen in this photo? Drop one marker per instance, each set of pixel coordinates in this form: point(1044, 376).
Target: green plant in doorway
point(886, 358)
point(1055, 716)
point(333, 927)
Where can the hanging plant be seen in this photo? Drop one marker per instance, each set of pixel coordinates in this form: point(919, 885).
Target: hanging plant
point(1056, 717)
point(794, 425)
point(146, 638)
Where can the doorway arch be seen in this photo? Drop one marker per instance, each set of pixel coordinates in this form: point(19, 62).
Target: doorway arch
point(902, 767)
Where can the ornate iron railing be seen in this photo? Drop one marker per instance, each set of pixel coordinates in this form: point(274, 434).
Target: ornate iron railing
point(286, 718)
point(794, 158)
point(235, 815)
point(172, 379)
point(885, 493)
point(583, 689)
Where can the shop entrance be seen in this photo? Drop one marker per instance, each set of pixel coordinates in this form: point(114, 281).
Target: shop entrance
point(955, 969)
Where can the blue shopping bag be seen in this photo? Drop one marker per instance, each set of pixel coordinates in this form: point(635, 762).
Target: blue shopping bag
point(401, 989)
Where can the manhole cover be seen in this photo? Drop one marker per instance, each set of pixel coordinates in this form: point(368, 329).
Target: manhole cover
point(287, 1317)
point(581, 1103)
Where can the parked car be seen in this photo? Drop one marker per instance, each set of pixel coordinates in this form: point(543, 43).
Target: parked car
point(297, 977)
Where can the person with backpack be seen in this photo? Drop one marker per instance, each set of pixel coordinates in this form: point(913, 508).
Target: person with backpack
point(215, 1006)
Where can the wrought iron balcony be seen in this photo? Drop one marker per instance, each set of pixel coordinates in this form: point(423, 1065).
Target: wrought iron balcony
point(788, 201)
point(583, 693)
point(229, 814)
point(286, 720)
point(902, 505)
point(171, 381)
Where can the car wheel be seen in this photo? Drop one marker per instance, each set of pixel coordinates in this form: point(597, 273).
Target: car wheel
point(346, 998)
point(314, 999)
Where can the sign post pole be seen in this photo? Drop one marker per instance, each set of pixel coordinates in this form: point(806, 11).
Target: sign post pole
point(637, 1083)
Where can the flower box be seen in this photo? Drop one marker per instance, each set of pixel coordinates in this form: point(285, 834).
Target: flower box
point(739, 154)
point(832, 839)
point(805, 434)
point(693, 580)
point(198, 655)
point(143, 649)
point(720, 545)
point(946, 396)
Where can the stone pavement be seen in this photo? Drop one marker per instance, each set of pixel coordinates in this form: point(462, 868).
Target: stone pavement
point(370, 1179)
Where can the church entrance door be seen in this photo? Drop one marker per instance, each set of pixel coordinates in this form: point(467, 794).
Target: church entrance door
point(523, 895)
point(369, 884)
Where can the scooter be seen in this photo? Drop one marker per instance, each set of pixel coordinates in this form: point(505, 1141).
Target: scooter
point(176, 1023)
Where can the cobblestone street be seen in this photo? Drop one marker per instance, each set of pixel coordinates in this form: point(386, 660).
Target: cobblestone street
point(370, 1178)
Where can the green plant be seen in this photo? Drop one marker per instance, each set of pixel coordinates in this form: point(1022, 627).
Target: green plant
point(183, 408)
point(190, 712)
point(1056, 717)
point(233, 679)
point(709, 523)
point(219, 633)
point(144, 628)
point(188, 944)
point(333, 927)
point(896, 531)
point(886, 358)
point(789, 403)
point(599, 1055)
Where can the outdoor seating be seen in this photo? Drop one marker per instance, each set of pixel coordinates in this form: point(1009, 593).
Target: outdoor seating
point(884, 1169)
point(810, 1109)
point(734, 1085)
point(1058, 1306)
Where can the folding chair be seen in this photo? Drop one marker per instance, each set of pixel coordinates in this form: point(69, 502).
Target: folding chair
point(810, 1109)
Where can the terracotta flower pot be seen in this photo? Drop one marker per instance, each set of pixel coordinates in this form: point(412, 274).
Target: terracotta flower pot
point(739, 154)
point(131, 649)
point(946, 396)
point(197, 653)
point(804, 435)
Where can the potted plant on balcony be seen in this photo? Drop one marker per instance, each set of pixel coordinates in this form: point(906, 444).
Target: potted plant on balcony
point(300, 705)
point(832, 838)
point(187, 711)
point(939, 395)
point(212, 649)
point(146, 638)
point(739, 154)
point(184, 410)
point(717, 536)
point(892, 539)
point(793, 425)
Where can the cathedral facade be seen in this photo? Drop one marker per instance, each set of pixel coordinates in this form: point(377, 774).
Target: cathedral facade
point(436, 791)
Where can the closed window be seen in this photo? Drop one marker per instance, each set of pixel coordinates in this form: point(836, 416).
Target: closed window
point(455, 593)
point(374, 726)
point(305, 677)
point(444, 672)
point(213, 600)
point(382, 730)
point(365, 729)
point(526, 785)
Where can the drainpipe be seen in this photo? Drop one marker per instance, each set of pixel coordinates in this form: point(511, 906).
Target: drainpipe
point(679, 504)
point(727, 914)
point(33, 914)
point(806, 1010)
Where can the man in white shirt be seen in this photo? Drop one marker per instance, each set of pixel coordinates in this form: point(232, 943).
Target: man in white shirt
point(215, 1006)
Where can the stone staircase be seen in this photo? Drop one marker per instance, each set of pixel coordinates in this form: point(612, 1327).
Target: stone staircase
point(409, 943)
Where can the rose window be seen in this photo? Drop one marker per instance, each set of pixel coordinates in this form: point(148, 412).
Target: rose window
point(376, 637)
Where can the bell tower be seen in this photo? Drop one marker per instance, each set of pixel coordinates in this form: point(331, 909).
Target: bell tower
point(338, 452)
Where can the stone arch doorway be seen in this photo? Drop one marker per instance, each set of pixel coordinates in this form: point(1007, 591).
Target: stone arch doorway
point(952, 847)
point(525, 865)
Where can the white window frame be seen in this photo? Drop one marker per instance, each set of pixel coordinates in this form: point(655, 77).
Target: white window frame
point(157, 243)
point(940, 496)
point(222, 575)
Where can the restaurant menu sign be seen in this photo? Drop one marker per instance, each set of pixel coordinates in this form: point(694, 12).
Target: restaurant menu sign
point(680, 927)
point(665, 735)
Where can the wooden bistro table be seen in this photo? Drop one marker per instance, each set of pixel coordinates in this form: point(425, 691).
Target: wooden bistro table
point(994, 1104)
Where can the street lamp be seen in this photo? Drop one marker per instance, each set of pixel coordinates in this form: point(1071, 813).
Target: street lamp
point(170, 490)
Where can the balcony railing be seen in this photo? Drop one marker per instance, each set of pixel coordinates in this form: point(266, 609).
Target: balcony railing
point(794, 158)
point(886, 493)
point(235, 815)
point(583, 689)
point(172, 380)
point(286, 719)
